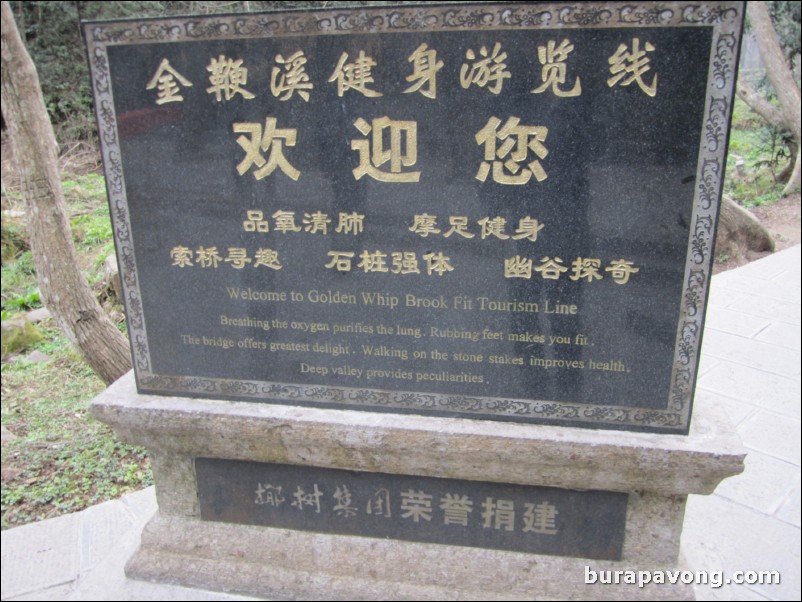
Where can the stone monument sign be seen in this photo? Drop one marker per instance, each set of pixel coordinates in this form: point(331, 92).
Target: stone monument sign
point(501, 213)
point(373, 224)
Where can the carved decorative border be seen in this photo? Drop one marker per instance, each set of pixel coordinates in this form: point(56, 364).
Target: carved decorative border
point(725, 18)
point(721, 15)
point(523, 410)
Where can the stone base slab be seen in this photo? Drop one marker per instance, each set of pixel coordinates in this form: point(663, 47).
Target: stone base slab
point(283, 564)
point(657, 472)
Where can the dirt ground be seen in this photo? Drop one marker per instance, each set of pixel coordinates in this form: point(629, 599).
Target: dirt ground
point(782, 220)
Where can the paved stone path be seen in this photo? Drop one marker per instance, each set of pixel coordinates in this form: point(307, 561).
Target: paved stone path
point(750, 367)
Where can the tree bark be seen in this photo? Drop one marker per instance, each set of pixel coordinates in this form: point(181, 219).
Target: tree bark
point(793, 161)
point(795, 181)
point(63, 287)
point(761, 106)
point(740, 232)
point(780, 76)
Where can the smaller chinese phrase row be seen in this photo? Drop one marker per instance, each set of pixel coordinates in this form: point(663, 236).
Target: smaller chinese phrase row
point(407, 262)
point(423, 225)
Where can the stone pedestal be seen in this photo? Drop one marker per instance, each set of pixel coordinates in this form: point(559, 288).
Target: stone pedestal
point(656, 471)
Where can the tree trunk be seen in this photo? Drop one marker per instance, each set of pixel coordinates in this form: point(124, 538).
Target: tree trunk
point(740, 232)
point(788, 171)
point(780, 76)
point(794, 182)
point(63, 287)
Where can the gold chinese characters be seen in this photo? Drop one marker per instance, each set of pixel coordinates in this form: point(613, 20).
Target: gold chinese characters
point(456, 508)
point(483, 68)
point(403, 262)
point(512, 152)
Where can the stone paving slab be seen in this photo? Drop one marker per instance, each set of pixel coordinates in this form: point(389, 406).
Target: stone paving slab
point(81, 556)
point(728, 536)
point(60, 592)
point(772, 434)
point(737, 323)
point(736, 410)
point(753, 386)
point(757, 305)
point(790, 510)
point(780, 290)
point(40, 555)
point(101, 526)
point(782, 335)
point(752, 520)
point(778, 477)
point(745, 351)
point(772, 267)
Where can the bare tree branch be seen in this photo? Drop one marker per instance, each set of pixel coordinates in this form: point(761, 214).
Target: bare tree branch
point(760, 105)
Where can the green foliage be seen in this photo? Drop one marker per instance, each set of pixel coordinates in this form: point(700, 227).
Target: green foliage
point(92, 229)
point(29, 301)
point(84, 188)
point(786, 16)
point(91, 226)
point(14, 235)
point(763, 150)
point(85, 196)
point(14, 240)
point(19, 288)
point(62, 460)
point(744, 118)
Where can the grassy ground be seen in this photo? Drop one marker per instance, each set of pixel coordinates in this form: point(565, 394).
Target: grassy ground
point(59, 459)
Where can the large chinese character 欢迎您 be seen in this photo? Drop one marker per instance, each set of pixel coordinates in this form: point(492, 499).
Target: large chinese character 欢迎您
point(373, 154)
point(507, 148)
point(270, 139)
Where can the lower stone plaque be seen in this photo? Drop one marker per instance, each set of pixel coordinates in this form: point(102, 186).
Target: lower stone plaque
point(520, 518)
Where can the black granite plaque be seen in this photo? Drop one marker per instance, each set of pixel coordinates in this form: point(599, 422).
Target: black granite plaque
point(542, 520)
point(500, 212)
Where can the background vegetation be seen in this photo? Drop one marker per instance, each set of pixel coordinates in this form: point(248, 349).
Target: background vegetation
point(758, 154)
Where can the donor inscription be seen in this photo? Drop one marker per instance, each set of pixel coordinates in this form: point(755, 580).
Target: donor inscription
point(542, 520)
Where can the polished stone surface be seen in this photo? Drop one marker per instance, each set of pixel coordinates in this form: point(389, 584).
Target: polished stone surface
point(522, 235)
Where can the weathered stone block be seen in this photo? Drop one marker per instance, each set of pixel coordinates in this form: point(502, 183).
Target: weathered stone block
point(657, 472)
